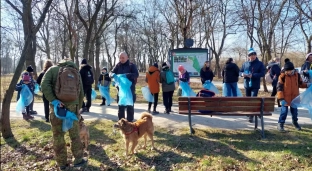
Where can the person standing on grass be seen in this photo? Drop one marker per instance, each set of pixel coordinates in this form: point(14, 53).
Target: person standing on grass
point(26, 80)
point(252, 71)
point(130, 70)
point(230, 76)
point(168, 87)
point(306, 67)
point(87, 81)
point(152, 79)
point(288, 86)
point(206, 73)
point(50, 86)
point(46, 66)
point(275, 71)
point(104, 80)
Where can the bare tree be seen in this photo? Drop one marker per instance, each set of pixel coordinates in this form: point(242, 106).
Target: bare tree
point(5, 116)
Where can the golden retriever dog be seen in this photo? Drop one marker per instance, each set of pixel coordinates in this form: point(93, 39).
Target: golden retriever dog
point(132, 131)
point(84, 133)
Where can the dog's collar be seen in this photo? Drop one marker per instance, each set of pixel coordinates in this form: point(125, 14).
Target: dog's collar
point(134, 129)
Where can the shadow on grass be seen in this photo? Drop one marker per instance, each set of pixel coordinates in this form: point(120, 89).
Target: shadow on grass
point(42, 126)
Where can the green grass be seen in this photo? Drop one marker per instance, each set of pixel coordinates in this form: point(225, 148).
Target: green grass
point(208, 149)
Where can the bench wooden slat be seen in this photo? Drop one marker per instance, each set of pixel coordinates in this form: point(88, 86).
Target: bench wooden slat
point(238, 113)
point(225, 103)
point(226, 99)
point(228, 108)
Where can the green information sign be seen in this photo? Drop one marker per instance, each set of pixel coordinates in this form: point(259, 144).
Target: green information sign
point(192, 59)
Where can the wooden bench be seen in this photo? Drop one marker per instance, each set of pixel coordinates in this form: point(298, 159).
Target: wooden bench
point(227, 106)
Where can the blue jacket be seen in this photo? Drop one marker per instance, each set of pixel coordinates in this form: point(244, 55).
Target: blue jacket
point(257, 69)
point(130, 70)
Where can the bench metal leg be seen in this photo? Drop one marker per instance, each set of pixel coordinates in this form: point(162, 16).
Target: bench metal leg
point(261, 115)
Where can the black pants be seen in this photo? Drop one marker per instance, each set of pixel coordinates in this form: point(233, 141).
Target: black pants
point(27, 110)
point(103, 100)
point(155, 102)
point(31, 105)
point(130, 109)
point(87, 93)
point(167, 98)
point(274, 91)
point(46, 107)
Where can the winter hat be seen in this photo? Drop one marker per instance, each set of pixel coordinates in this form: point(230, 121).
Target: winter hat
point(289, 66)
point(307, 56)
point(104, 68)
point(26, 78)
point(181, 68)
point(84, 61)
point(30, 69)
point(286, 60)
point(164, 65)
point(155, 65)
point(251, 51)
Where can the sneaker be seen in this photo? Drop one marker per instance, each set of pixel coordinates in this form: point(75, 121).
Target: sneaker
point(83, 162)
point(296, 125)
point(64, 167)
point(280, 127)
point(155, 112)
point(102, 104)
point(166, 112)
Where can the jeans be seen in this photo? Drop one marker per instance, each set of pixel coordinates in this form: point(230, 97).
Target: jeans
point(250, 92)
point(167, 98)
point(87, 92)
point(231, 89)
point(46, 107)
point(155, 102)
point(284, 111)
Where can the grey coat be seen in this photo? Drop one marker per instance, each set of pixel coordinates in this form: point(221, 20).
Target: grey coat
point(166, 87)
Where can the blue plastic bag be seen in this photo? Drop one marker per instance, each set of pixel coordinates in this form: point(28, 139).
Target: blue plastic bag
point(26, 97)
point(304, 100)
point(104, 91)
point(187, 90)
point(224, 91)
point(67, 120)
point(124, 93)
point(210, 86)
point(147, 94)
point(93, 94)
point(37, 88)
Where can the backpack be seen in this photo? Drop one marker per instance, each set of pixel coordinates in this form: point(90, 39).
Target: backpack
point(67, 87)
point(205, 93)
point(169, 77)
point(268, 77)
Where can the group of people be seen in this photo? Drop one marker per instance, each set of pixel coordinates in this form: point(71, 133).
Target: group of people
point(286, 82)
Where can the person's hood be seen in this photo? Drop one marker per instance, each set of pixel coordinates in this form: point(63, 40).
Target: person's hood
point(85, 66)
point(152, 69)
point(67, 63)
point(272, 63)
point(308, 55)
point(229, 66)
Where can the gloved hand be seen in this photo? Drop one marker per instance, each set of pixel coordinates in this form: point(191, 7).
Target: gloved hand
point(283, 102)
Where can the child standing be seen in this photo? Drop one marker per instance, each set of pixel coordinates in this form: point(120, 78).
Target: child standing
point(288, 86)
point(104, 80)
point(184, 76)
point(27, 81)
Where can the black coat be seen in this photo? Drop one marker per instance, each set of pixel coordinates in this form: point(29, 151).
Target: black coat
point(206, 75)
point(86, 75)
point(230, 73)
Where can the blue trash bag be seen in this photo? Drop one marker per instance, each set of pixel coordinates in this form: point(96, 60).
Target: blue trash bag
point(124, 93)
point(26, 97)
point(224, 91)
point(37, 88)
point(147, 94)
point(187, 90)
point(93, 94)
point(104, 91)
point(68, 120)
point(210, 86)
point(304, 100)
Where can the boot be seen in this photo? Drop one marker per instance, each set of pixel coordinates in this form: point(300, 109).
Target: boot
point(25, 116)
point(280, 127)
point(167, 111)
point(29, 116)
point(296, 125)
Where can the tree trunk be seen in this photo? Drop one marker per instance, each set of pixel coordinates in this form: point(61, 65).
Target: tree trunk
point(97, 59)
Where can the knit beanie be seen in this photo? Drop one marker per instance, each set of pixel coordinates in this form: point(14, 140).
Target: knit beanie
point(84, 61)
point(289, 66)
point(155, 65)
point(251, 51)
point(30, 69)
